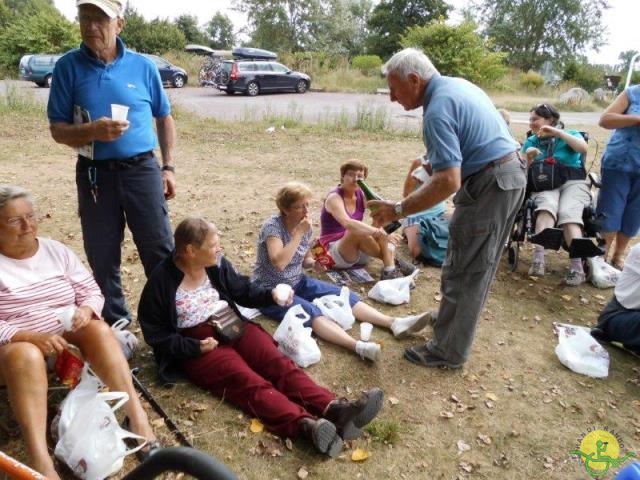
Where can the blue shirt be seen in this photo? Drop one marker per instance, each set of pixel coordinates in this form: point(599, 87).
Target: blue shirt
point(623, 150)
point(81, 80)
point(461, 127)
point(562, 152)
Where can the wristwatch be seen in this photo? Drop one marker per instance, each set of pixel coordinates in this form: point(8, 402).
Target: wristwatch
point(397, 208)
point(169, 168)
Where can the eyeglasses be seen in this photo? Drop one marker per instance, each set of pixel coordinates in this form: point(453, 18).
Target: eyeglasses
point(304, 206)
point(15, 222)
point(100, 20)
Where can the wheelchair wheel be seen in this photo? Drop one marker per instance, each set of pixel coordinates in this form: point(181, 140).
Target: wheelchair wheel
point(513, 253)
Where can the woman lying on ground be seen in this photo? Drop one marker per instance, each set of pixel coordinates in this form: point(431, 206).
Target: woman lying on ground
point(562, 206)
point(348, 239)
point(284, 251)
point(196, 283)
point(39, 278)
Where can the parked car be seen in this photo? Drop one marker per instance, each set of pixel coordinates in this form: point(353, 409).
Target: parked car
point(254, 77)
point(38, 68)
point(171, 75)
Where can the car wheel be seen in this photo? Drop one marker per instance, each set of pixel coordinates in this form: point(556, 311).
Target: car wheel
point(253, 89)
point(47, 81)
point(301, 86)
point(178, 81)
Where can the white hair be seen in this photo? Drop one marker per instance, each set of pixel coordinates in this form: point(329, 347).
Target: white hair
point(12, 192)
point(410, 60)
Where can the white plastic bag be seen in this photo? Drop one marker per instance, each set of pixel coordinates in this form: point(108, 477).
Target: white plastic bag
point(92, 445)
point(337, 308)
point(394, 291)
point(601, 274)
point(127, 340)
point(578, 351)
point(295, 340)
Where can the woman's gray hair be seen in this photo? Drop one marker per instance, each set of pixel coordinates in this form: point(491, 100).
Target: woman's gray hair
point(410, 60)
point(12, 192)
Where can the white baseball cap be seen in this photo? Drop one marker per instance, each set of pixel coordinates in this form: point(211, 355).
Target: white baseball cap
point(113, 8)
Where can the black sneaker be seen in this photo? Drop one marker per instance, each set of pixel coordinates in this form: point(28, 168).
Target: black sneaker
point(407, 268)
point(349, 416)
point(390, 274)
point(322, 433)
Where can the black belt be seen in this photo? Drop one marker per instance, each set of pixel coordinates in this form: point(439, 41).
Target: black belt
point(113, 163)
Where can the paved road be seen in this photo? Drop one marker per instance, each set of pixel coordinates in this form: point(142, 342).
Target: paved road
point(311, 107)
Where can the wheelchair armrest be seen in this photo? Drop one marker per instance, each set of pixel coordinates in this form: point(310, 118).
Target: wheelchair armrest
point(594, 180)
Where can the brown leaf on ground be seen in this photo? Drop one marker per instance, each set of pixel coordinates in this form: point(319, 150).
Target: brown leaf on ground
point(486, 439)
point(445, 414)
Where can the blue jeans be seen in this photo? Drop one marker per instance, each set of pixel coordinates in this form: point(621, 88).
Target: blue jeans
point(132, 196)
point(305, 292)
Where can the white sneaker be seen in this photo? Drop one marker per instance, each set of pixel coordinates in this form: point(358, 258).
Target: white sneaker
point(368, 350)
point(403, 326)
point(574, 278)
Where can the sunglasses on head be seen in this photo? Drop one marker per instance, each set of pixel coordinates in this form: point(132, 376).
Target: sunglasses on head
point(545, 110)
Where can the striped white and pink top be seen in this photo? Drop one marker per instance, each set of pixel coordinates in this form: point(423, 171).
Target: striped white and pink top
point(32, 290)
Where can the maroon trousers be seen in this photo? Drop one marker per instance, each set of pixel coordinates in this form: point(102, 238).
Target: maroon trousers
point(254, 375)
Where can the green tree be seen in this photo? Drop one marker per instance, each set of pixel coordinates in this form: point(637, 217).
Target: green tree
point(343, 27)
point(282, 25)
point(391, 18)
point(220, 31)
point(624, 59)
point(45, 31)
point(188, 25)
point(457, 51)
point(157, 36)
point(533, 31)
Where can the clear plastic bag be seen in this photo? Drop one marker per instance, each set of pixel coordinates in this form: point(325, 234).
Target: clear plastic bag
point(127, 340)
point(295, 340)
point(578, 351)
point(337, 308)
point(92, 445)
point(395, 291)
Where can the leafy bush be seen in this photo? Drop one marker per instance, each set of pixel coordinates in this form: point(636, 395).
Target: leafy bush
point(531, 80)
point(457, 51)
point(367, 64)
point(584, 75)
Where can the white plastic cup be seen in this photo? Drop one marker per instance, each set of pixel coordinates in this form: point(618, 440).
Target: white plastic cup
point(282, 293)
point(119, 112)
point(65, 317)
point(365, 331)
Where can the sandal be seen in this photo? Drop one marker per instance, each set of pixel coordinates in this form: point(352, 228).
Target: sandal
point(145, 452)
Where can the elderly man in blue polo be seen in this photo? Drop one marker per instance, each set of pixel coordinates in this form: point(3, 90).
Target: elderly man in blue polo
point(472, 155)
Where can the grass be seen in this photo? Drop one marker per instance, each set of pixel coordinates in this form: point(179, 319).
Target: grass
point(229, 172)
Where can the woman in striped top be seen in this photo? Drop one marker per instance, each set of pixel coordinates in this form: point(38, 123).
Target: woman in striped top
point(39, 278)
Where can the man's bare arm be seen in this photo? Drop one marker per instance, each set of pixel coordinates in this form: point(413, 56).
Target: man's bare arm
point(75, 135)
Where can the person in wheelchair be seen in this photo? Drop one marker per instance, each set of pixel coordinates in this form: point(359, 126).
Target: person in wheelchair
point(557, 184)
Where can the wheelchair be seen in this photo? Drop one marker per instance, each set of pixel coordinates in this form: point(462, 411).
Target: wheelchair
point(591, 245)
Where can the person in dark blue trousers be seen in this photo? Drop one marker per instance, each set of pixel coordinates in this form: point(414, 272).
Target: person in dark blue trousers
point(120, 182)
